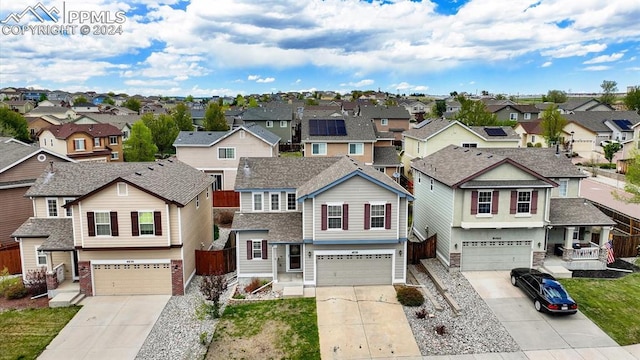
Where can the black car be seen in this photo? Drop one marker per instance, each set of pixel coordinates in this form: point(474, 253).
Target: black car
point(547, 293)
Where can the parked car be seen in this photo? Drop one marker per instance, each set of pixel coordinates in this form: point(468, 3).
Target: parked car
point(607, 142)
point(547, 293)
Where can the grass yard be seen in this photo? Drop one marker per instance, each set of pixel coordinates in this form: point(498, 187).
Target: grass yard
point(291, 154)
point(610, 303)
point(275, 329)
point(24, 334)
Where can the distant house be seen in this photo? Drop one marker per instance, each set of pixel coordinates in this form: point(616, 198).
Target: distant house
point(393, 119)
point(514, 112)
point(85, 108)
point(530, 132)
point(578, 104)
point(124, 123)
point(19, 106)
point(60, 112)
point(276, 119)
point(630, 148)
point(84, 142)
point(218, 153)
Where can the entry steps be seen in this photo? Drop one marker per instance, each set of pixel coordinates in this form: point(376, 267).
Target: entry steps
point(66, 299)
point(558, 271)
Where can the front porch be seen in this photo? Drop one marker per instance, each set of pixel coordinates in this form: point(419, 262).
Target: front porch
point(62, 290)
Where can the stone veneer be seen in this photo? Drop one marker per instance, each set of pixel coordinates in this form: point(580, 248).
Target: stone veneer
point(538, 258)
point(454, 260)
point(177, 278)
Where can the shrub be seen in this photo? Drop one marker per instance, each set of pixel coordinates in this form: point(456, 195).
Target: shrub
point(212, 287)
point(538, 145)
point(239, 296)
point(6, 280)
point(216, 232)
point(529, 144)
point(203, 337)
point(254, 285)
point(409, 296)
point(225, 217)
point(16, 291)
point(36, 281)
point(441, 330)
point(607, 166)
point(422, 313)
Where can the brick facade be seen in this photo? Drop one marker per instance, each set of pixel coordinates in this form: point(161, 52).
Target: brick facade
point(84, 268)
point(52, 280)
point(177, 278)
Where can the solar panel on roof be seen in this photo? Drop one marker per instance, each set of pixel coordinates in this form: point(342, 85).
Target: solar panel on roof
point(495, 132)
point(624, 125)
point(327, 127)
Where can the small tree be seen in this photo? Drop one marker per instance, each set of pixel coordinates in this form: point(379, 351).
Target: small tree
point(474, 113)
point(163, 130)
point(80, 100)
point(214, 118)
point(13, 124)
point(132, 104)
point(108, 100)
point(610, 149)
point(212, 287)
point(139, 146)
point(556, 96)
point(609, 89)
point(182, 117)
point(632, 99)
point(189, 99)
point(632, 178)
point(552, 124)
point(36, 281)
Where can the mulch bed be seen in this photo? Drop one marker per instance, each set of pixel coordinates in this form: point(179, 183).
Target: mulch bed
point(608, 274)
point(24, 303)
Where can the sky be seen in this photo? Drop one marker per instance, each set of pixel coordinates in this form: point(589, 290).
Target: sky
point(223, 48)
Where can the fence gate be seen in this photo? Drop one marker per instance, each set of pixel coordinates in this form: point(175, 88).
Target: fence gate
point(216, 261)
point(422, 250)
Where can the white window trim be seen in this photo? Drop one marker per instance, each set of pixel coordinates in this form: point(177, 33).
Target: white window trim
point(566, 188)
point(65, 201)
point(48, 210)
point(114, 155)
point(283, 123)
point(527, 116)
point(295, 201)
point(126, 189)
point(339, 205)
point(431, 182)
point(356, 144)
point(511, 116)
point(523, 214)
point(77, 148)
point(270, 201)
point(112, 142)
point(96, 142)
point(226, 158)
point(384, 214)
point(253, 201)
point(95, 222)
point(488, 214)
point(253, 250)
point(198, 201)
point(319, 153)
point(384, 122)
point(269, 123)
point(469, 143)
point(153, 223)
point(38, 263)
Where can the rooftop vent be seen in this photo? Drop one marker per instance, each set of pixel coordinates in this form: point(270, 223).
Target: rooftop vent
point(138, 173)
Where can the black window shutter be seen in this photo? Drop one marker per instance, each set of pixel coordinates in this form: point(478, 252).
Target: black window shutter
point(157, 223)
point(135, 227)
point(91, 224)
point(114, 223)
point(323, 210)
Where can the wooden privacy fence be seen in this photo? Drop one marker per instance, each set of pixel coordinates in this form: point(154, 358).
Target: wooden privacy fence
point(10, 258)
point(421, 250)
point(226, 198)
point(215, 261)
point(626, 245)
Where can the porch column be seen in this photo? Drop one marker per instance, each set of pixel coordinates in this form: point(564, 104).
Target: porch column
point(604, 235)
point(568, 243)
point(49, 261)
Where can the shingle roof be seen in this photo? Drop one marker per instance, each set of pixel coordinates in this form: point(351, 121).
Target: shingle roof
point(520, 108)
point(279, 172)
point(385, 112)
point(594, 120)
point(50, 110)
point(13, 151)
point(544, 161)
point(427, 128)
point(359, 128)
point(275, 113)
point(482, 131)
point(169, 179)
point(58, 231)
point(531, 127)
point(95, 130)
point(385, 156)
point(118, 120)
point(261, 132)
point(576, 211)
point(281, 227)
point(208, 138)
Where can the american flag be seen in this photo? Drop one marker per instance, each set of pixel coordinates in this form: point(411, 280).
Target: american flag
point(610, 257)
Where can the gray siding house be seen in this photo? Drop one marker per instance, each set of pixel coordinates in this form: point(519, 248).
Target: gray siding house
point(276, 119)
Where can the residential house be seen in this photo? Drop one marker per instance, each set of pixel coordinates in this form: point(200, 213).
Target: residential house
point(122, 122)
point(417, 109)
point(514, 112)
point(276, 119)
point(85, 107)
point(573, 105)
point(218, 153)
point(394, 119)
point(630, 149)
point(530, 133)
point(501, 208)
point(319, 222)
point(432, 135)
point(19, 106)
point(84, 142)
point(20, 165)
point(59, 112)
point(118, 228)
point(35, 124)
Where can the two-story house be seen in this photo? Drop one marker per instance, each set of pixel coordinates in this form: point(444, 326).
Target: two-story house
point(432, 135)
point(19, 106)
point(218, 153)
point(84, 142)
point(276, 119)
point(514, 112)
point(118, 228)
point(394, 119)
point(320, 222)
point(501, 208)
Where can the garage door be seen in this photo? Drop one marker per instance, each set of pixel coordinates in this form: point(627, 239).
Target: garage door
point(132, 279)
point(370, 269)
point(495, 255)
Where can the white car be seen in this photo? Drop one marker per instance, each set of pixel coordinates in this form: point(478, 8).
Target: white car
point(607, 142)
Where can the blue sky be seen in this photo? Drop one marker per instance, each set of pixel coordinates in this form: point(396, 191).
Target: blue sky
point(223, 47)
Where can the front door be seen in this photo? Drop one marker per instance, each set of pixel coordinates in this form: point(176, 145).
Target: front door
point(74, 265)
point(294, 258)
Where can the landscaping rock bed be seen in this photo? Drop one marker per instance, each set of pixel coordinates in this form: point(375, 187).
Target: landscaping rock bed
point(608, 274)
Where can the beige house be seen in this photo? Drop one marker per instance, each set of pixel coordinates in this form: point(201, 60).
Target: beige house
point(630, 149)
point(432, 135)
point(218, 153)
point(118, 228)
point(530, 133)
point(84, 142)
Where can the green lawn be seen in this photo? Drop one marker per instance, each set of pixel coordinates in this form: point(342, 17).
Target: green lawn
point(24, 334)
point(291, 154)
point(610, 303)
point(280, 329)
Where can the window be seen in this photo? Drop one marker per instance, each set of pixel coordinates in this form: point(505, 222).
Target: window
point(242, 134)
point(207, 192)
point(292, 204)
point(484, 202)
point(524, 202)
point(379, 168)
point(122, 189)
point(513, 116)
point(103, 224)
point(125, 134)
point(41, 257)
point(533, 139)
point(283, 123)
point(114, 155)
point(527, 116)
point(269, 123)
point(377, 216)
point(384, 122)
point(319, 149)
point(418, 150)
point(52, 207)
point(69, 211)
point(256, 247)
point(78, 144)
point(257, 201)
point(562, 188)
point(356, 149)
point(334, 216)
point(113, 140)
point(431, 184)
point(96, 142)
point(197, 201)
point(275, 201)
point(469, 145)
point(226, 153)
point(52, 141)
point(146, 223)
point(218, 184)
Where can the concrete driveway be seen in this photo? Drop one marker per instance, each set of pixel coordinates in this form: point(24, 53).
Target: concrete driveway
point(363, 322)
point(540, 335)
point(107, 327)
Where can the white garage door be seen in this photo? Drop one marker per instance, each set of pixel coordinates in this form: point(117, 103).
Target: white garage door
point(132, 279)
point(370, 269)
point(495, 255)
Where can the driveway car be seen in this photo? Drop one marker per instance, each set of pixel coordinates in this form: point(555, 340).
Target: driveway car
point(547, 293)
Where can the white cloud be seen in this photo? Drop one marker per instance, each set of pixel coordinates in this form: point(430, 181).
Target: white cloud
point(597, 68)
point(253, 77)
point(266, 80)
point(605, 58)
point(546, 64)
point(358, 84)
point(574, 50)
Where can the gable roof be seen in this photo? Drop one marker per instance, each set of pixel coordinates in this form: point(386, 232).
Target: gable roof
point(531, 127)
point(275, 113)
point(94, 130)
point(574, 103)
point(14, 152)
point(576, 211)
point(544, 161)
point(280, 227)
point(385, 156)
point(278, 172)
point(210, 138)
point(359, 128)
point(169, 179)
point(429, 128)
point(594, 120)
point(57, 231)
point(117, 120)
point(520, 108)
point(385, 112)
